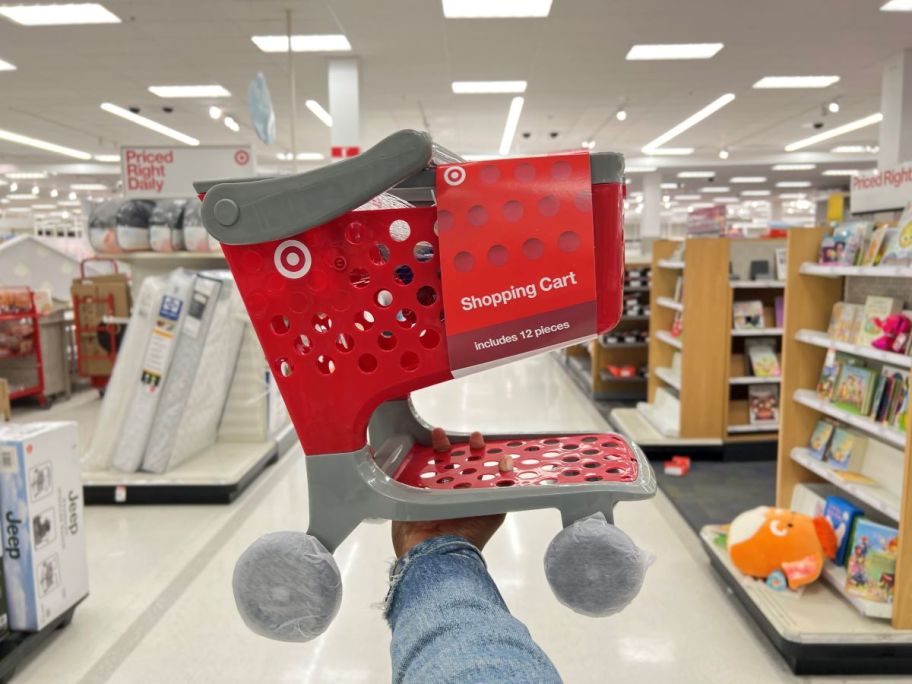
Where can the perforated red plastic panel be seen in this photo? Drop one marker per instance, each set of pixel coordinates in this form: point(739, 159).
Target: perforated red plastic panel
point(349, 314)
point(579, 459)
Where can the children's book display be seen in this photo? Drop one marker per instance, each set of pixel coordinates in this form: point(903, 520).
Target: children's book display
point(761, 353)
point(871, 561)
point(881, 395)
point(881, 322)
point(859, 243)
point(763, 404)
point(748, 314)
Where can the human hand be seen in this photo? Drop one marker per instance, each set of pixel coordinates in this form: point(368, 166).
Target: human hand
point(478, 529)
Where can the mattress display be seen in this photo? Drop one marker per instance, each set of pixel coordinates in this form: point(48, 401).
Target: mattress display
point(132, 225)
point(205, 356)
point(166, 226)
point(122, 384)
point(153, 373)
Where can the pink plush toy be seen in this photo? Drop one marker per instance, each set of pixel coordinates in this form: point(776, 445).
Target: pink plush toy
point(895, 333)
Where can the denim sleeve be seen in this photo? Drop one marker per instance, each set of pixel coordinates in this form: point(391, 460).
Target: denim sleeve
point(450, 623)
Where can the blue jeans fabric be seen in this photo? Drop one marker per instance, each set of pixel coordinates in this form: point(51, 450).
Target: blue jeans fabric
point(450, 623)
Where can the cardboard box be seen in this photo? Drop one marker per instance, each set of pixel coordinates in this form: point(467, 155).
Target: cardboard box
point(96, 297)
point(44, 550)
point(6, 411)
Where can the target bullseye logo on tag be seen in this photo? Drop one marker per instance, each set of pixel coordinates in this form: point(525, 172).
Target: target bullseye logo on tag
point(455, 175)
point(292, 259)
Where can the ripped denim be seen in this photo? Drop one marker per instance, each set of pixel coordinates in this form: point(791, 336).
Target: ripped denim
point(450, 623)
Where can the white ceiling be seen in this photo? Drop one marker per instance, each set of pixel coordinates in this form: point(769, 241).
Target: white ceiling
point(573, 60)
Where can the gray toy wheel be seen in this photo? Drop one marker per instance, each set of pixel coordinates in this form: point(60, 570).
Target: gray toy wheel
point(287, 586)
point(594, 568)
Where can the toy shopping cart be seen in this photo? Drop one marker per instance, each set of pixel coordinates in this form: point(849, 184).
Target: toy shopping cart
point(348, 338)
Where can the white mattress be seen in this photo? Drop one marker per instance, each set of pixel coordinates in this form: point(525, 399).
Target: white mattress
point(122, 384)
point(246, 414)
point(204, 360)
point(154, 372)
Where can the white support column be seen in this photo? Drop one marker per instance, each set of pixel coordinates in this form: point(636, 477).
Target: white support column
point(776, 209)
point(896, 106)
point(344, 107)
point(651, 218)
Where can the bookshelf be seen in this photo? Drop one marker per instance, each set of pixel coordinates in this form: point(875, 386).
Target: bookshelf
point(626, 345)
point(699, 381)
point(810, 293)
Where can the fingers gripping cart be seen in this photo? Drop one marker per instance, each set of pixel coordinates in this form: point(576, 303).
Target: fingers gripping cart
point(347, 305)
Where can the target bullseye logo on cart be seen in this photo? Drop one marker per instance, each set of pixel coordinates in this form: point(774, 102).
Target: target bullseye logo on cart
point(455, 175)
point(292, 259)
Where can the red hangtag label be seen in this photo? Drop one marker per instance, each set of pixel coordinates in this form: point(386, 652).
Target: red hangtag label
point(517, 256)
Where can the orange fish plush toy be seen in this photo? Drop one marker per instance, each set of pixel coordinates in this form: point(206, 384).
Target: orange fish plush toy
point(765, 539)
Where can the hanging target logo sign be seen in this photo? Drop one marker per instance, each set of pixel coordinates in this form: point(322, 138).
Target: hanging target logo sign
point(241, 157)
point(292, 259)
point(455, 175)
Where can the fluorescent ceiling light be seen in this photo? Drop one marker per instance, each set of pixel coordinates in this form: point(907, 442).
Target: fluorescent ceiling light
point(299, 43)
point(496, 9)
point(107, 158)
point(897, 6)
point(671, 151)
point(71, 196)
point(796, 81)
point(26, 175)
point(44, 207)
point(645, 169)
point(726, 200)
point(59, 15)
point(88, 186)
point(716, 188)
point(692, 120)
point(319, 112)
point(484, 87)
point(684, 198)
point(697, 174)
point(215, 112)
point(793, 195)
point(793, 184)
point(21, 196)
point(749, 179)
point(302, 156)
point(231, 124)
point(17, 210)
point(835, 132)
point(9, 136)
point(856, 149)
point(755, 193)
point(669, 186)
point(674, 51)
point(189, 91)
point(6, 66)
point(69, 203)
point(794, 167)
point(841, 172)
point(148, 123)
point(703, 205)
point(506, 142)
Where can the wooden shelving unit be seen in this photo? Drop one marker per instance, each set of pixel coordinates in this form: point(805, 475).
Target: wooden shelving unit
point(811, 291)
point(588, 363)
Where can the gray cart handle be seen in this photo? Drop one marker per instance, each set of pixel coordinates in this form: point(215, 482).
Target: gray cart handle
point(244, 212)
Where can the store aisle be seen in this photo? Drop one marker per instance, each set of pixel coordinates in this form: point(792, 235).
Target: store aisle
point(161, 607)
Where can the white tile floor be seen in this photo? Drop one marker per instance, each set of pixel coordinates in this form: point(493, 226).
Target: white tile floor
point(161, 608)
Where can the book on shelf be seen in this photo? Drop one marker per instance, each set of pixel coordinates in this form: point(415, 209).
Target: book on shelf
point(844, 246)
point(763, 404)
point(829, 373)
point(748, 314)
point(853, 477)
point(845, 321)
point(779, 307)
point(820, 438)
point(761, 353)
point(871, 561)
point(875, 308)
point(874, 249)
point(781, 263)
point(846, 450)
point(897, 249)
point(855, 389)
point(679, 289)
point(891, 402)
point(841, 515)
point(677, 325)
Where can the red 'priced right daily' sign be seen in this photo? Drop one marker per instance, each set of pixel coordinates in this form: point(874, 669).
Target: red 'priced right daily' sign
point(517, 257)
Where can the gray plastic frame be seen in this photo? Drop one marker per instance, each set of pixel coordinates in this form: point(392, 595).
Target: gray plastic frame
point(348, 488)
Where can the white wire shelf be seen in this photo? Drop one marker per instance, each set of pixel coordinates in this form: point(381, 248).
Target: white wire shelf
point(839, 270)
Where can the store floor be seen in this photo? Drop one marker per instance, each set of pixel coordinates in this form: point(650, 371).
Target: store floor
point(161, 608)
